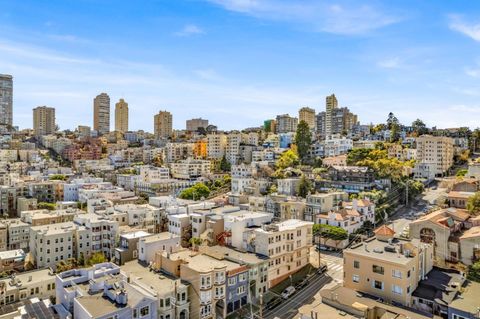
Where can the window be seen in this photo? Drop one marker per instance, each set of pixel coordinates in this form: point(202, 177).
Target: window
point(241, 290)
point(377, 284)
point(144, 311)
point(356, 264)
point(356, 278)
point(242, 277)
point(397, 289)
point(378, 269)
point(232, 281)
point(396, 273)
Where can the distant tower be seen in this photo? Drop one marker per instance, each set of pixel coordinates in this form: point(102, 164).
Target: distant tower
point(6, 101)
point(101, 113)
point(163, 125)
point(121, 116)
point(331, 105)
point(43, 120)
point(307, 114)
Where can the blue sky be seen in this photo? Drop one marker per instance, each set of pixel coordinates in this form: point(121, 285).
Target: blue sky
point(238, 62)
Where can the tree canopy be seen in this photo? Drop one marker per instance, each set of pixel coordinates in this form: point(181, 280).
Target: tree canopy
point(287, 159)
point(304, 187)
point(474, 272)
point(196, 192)
point(303, 140)
point(419, 127)
point(473, 204)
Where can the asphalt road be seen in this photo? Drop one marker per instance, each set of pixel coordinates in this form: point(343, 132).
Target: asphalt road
point(289, 308)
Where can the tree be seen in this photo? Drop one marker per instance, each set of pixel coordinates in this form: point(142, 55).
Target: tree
point(287, 159)
point(356, 155)
point(81, 260)
point(196, 192)
point(335, 233)
point(474, 272)
point(304, 187)
point(58, 177)
point(225, 165)
point(419, 127)
point(44, 205)
point(96, 258)
point(303, 140)
point(461, 172)
point(195, 242)
point(473, 204)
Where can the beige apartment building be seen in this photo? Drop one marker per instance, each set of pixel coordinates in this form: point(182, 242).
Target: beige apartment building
point(43, 120)
point(163, 125)
point(216, 145)
point(434, 156)
point(307, 114)
point(194, 124)
point(331, 104)
point(101, 113)
point(286, 244)
point(121, 116)
point(286, 123)
point(387, 267)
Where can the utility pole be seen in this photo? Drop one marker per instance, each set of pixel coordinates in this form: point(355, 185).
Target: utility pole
point(261, 307)
point(406, 194)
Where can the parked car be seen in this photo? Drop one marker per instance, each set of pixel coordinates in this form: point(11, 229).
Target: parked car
point(290, 290)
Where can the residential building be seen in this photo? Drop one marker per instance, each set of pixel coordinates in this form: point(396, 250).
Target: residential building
point(194, 124)
point(121, 116)
point(102, 291)
point(434, 156)
point(351, 216)
point(6, 101)
point(12, 260)
point(32, 284)
point(44, 120)
point(331, 104)
point(286, 123)
point(387, 267)
point(163, 125)
point(350, 179)
point(101, 113)
point(18, 234)
point(216, 145)
point(50, 244)
point(286, 244)
point(307, 115)
point(190, 169)
point(288, 186)
point(129, 247)
point(465, 305)
point(149, 245)
point(84, 131)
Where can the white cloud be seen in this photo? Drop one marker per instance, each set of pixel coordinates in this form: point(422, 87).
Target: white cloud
point(340, 18)
point(472, 30)
point(207, 74)
point(188, 30)
point(390, 63)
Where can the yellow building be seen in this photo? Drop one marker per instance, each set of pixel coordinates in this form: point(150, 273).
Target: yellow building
point(307, 114)
point(121, 116)
point(43, 120)
point(163, 126)
point(101, 113)
point(200, 149)
point(387, 267)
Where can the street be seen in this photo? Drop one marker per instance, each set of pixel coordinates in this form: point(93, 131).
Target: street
point(289, 307)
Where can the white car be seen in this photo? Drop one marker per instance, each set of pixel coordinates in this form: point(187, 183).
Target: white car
point(290, 290)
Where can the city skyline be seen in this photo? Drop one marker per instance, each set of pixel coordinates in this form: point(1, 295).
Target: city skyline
point(240, 62)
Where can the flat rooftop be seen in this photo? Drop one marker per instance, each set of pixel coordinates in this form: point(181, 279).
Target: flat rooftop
point(469, 298)
point(375, 249)
point(158, 282)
